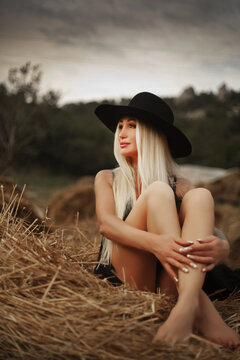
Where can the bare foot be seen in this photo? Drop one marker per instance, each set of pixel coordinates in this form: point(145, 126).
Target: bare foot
point(210, 324)
point(179, 325)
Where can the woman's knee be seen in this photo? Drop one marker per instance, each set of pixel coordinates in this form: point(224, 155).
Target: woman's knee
point(198, 197)
point(159, 190)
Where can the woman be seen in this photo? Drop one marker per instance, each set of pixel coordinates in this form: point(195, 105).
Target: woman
point(157, 230)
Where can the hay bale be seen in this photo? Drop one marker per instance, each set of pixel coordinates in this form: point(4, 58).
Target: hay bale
point(52, 307)
point(78, 198)
point(228, 220)
point(226, 189)
point(13, 196)
point(226, 193)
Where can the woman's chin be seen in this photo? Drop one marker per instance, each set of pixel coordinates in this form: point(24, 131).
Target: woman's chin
point(127, 153)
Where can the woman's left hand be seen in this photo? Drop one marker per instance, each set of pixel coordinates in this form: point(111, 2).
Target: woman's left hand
point(210, 251)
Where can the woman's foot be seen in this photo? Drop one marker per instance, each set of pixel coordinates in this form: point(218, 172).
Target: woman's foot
point(211, 326)
point(178, 326)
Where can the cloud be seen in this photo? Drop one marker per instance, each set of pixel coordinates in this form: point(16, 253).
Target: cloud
point(147, 41)
point(65, 22)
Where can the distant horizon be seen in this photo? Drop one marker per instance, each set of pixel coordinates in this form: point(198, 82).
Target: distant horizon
point(119, 98)
point(43, 89)
point(63, 101)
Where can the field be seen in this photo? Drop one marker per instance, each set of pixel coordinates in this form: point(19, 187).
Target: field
point(40, 187)
point(52, 307)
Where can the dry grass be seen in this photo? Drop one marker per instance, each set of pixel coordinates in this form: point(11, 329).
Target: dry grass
point(52, 307)
point(21, 206)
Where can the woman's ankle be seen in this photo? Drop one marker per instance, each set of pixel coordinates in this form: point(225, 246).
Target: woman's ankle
point(190, 303)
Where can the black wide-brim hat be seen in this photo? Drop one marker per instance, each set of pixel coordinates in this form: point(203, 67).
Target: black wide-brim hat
point(153, 111)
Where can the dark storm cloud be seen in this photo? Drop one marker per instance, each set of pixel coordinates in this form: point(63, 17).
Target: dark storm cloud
point(150, 44)
point(66, 22)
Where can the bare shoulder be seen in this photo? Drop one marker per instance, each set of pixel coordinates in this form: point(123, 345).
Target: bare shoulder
point(183, 186)
point(104, 177)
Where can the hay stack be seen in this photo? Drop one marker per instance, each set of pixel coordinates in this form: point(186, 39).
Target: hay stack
point(13, 196)
point(228, 220)
point(52, 307)
point(226, 189)
point(226, 193)
point(78, 198)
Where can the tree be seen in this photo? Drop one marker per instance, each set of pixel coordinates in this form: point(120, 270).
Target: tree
point(18, 104)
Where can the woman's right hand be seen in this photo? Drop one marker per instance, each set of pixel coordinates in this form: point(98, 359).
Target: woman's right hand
point(170, 251)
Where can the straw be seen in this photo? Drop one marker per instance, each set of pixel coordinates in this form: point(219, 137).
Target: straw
point(53, 307)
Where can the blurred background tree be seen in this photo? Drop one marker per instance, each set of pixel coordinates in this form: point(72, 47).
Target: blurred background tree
point(18, 102)
point(39, 134)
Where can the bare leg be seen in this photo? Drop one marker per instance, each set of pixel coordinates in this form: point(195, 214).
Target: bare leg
point(156, 212)
point(193, 305)
point(197, 212)
point(210, 324)
point(208, 321)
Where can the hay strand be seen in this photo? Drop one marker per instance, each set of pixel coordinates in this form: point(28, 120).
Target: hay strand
point(53, 307)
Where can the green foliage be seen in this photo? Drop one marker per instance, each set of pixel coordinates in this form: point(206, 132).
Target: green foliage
point(37, 133)
point(215, 135)
point(17, 106)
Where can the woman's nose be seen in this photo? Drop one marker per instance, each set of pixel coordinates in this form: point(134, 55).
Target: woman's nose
point(122, 132)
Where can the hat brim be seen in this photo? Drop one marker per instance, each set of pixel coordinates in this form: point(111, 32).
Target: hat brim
point(178, 143)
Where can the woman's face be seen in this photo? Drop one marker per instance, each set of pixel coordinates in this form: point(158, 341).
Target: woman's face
point(127, 138)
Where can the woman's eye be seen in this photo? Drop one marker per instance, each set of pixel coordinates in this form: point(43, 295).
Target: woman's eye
point(132, 125)
point(120, 127)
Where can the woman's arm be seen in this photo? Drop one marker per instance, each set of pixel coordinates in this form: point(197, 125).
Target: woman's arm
point(110, 225)
point(162, 246)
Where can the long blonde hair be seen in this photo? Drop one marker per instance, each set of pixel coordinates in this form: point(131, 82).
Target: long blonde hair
point(154, 163)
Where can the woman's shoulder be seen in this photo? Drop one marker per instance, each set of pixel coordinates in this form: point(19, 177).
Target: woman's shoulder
point(104, 176)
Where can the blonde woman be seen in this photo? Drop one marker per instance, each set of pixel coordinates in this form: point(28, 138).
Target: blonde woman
point(157, 230)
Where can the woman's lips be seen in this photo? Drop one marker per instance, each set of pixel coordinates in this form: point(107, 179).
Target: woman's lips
point(124, 144)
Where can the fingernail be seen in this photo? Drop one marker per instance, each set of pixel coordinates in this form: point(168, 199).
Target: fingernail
point(204, 270)
point(185, 270)
point(199, 239)
point(190, 242)
point(190, 256)
point(176, 279)
point(193, 265)
point(185, 249)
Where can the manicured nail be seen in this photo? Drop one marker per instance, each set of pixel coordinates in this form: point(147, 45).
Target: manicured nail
point(185, 270)
point(190, 256)
point(193, 265)
point(204, 269)
point(190, 242)
point(175, 279)
point(185, 249)
point(199, 239)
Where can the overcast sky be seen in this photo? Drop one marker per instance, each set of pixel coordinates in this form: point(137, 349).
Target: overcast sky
point(94, 49)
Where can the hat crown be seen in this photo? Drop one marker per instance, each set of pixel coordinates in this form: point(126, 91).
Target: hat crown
point(153, 104)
